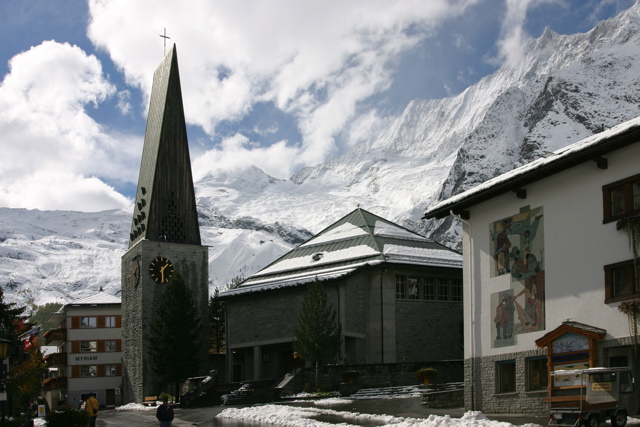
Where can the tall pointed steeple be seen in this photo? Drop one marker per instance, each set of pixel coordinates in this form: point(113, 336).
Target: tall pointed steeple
point(165, 208)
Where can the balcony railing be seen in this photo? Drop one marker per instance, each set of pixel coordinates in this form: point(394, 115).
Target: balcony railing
point(54, 383)
point(55, 336)
point(55, 360)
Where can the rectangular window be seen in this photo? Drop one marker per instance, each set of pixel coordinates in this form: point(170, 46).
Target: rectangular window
point(110, 321)
point(88, 371)
point(110, 345)
point(456, 290)
point(88, 346)
point(537, 374)
point(621, 198)
point(621, 281)
point(443, 289)
point(110, 370)
point(400, 287)
point(506, 373)
point(413, 284)
point(429, 289)
point(88, 322)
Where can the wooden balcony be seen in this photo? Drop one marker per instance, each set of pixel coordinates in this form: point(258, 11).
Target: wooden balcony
point(55, 360)
point(54, 383)
point(55, 336)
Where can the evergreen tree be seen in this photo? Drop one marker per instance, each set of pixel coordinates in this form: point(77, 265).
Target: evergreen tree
point(318, 338)
point(11, 318)
point(175, 335)
point(216, 324)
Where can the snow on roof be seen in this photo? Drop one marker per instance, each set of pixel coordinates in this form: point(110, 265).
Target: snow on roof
point(99, 298)
point(320, 258)
point(344, 231)
point(425, 256)
point(555, 157)
point(390, 230)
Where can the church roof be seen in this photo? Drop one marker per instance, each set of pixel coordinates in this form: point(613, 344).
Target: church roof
point(357, 240)
point(165, 205)
point(591, 149)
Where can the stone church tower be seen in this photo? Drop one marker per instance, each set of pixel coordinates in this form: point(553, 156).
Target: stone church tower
point(164, 237)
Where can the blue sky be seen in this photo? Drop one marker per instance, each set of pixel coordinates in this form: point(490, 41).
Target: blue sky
point(278, 84)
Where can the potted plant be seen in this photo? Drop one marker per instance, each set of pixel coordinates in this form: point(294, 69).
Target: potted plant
point(350, 376)
point(426, 375)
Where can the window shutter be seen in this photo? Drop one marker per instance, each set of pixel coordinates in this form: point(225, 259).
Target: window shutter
point(118, 369)
point(118, 321)
point(75, 322)
point(101, 370)
point(100, 321)
point(75, 371)
point(119, 345)
point(100, 346)
point(75, 346)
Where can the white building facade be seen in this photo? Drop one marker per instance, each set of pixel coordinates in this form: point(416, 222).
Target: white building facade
point(89, 357)
point(546, 268)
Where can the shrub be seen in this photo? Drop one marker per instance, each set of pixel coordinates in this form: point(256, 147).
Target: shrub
point(349, 376)
point(67, 417)
point(428, 374)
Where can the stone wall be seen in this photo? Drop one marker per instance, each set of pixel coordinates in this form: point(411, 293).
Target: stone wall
point(481, 386)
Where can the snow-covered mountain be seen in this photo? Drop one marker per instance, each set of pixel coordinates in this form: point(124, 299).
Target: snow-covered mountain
point(565, 89)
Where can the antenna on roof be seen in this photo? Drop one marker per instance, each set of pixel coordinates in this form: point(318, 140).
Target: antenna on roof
point(101, 290)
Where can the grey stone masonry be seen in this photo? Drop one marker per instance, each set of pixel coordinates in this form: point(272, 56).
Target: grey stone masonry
point(481, 389)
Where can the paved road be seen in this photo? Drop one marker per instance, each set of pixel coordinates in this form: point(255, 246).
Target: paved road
point(205, 417)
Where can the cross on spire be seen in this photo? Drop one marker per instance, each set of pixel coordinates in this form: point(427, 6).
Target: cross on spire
point(165, 37)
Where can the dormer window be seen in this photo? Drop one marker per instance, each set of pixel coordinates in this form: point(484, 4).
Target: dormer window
point(317, 256)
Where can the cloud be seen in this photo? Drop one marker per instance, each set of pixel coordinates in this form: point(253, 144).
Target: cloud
point(317, 61)
point(45, 128)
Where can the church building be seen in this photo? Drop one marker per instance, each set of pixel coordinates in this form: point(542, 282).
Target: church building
point(397, 295)
point(164, 237)
point(551, 272)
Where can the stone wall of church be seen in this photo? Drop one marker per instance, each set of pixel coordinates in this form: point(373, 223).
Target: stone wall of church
point(355, 305)
point(428, 330)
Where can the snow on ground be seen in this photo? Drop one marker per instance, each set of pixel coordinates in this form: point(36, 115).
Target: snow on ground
point(282, 415)
point(136, 407)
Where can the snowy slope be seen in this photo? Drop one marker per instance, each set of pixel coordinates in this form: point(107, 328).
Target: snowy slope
point(565, 89)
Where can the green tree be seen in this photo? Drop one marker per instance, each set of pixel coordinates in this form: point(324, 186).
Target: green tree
point(40, 316)
point(318, 337)
point(174, 342)
point(216, 324)
point(11, 319)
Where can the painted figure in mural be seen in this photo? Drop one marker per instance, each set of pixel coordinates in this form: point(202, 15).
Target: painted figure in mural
point(531, 302)
point(502, 319)
point(501, 254)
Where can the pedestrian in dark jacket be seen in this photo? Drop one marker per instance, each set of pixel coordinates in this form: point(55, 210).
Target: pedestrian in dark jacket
point(164, 413)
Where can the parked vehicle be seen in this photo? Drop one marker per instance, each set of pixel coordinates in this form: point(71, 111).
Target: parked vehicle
point(592, 396)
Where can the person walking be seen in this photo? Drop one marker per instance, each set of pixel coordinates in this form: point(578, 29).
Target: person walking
point(164, 413)
point(91, 406)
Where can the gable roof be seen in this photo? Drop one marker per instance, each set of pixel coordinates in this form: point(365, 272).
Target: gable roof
point(586, 150)
point(357, 240)
point(100, 299)
point(569, 326)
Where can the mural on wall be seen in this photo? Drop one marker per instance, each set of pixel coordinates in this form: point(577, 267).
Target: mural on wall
point(503, 320)
point(517, 246)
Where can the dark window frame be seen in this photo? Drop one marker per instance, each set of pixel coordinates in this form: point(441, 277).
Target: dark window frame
point(632, 281)
point(537, 373)
point(506, 376)
point(627, 188)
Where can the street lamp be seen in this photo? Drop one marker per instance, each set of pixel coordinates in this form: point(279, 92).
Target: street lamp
point(4, 348)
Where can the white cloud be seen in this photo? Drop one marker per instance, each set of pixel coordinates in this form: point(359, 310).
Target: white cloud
point(317, 61)
point(45, 128)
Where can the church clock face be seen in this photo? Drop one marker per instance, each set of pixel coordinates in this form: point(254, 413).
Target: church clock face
point(161, 269)
point(135, 272)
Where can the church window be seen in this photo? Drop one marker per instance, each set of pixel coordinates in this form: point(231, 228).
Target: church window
point(443, 289)
point(110, 370)
point(110, 321)
point(537, 375)
point(88, 322)
point(429, 288)
point(456, 290)
point(621, 198)
point(400, 287)
point(88, 371)
point(622, 281)
point(506, 373)
point(413, 284)
point(88, 346)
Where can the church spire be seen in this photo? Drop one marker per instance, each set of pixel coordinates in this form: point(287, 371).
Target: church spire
point(165, 206)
